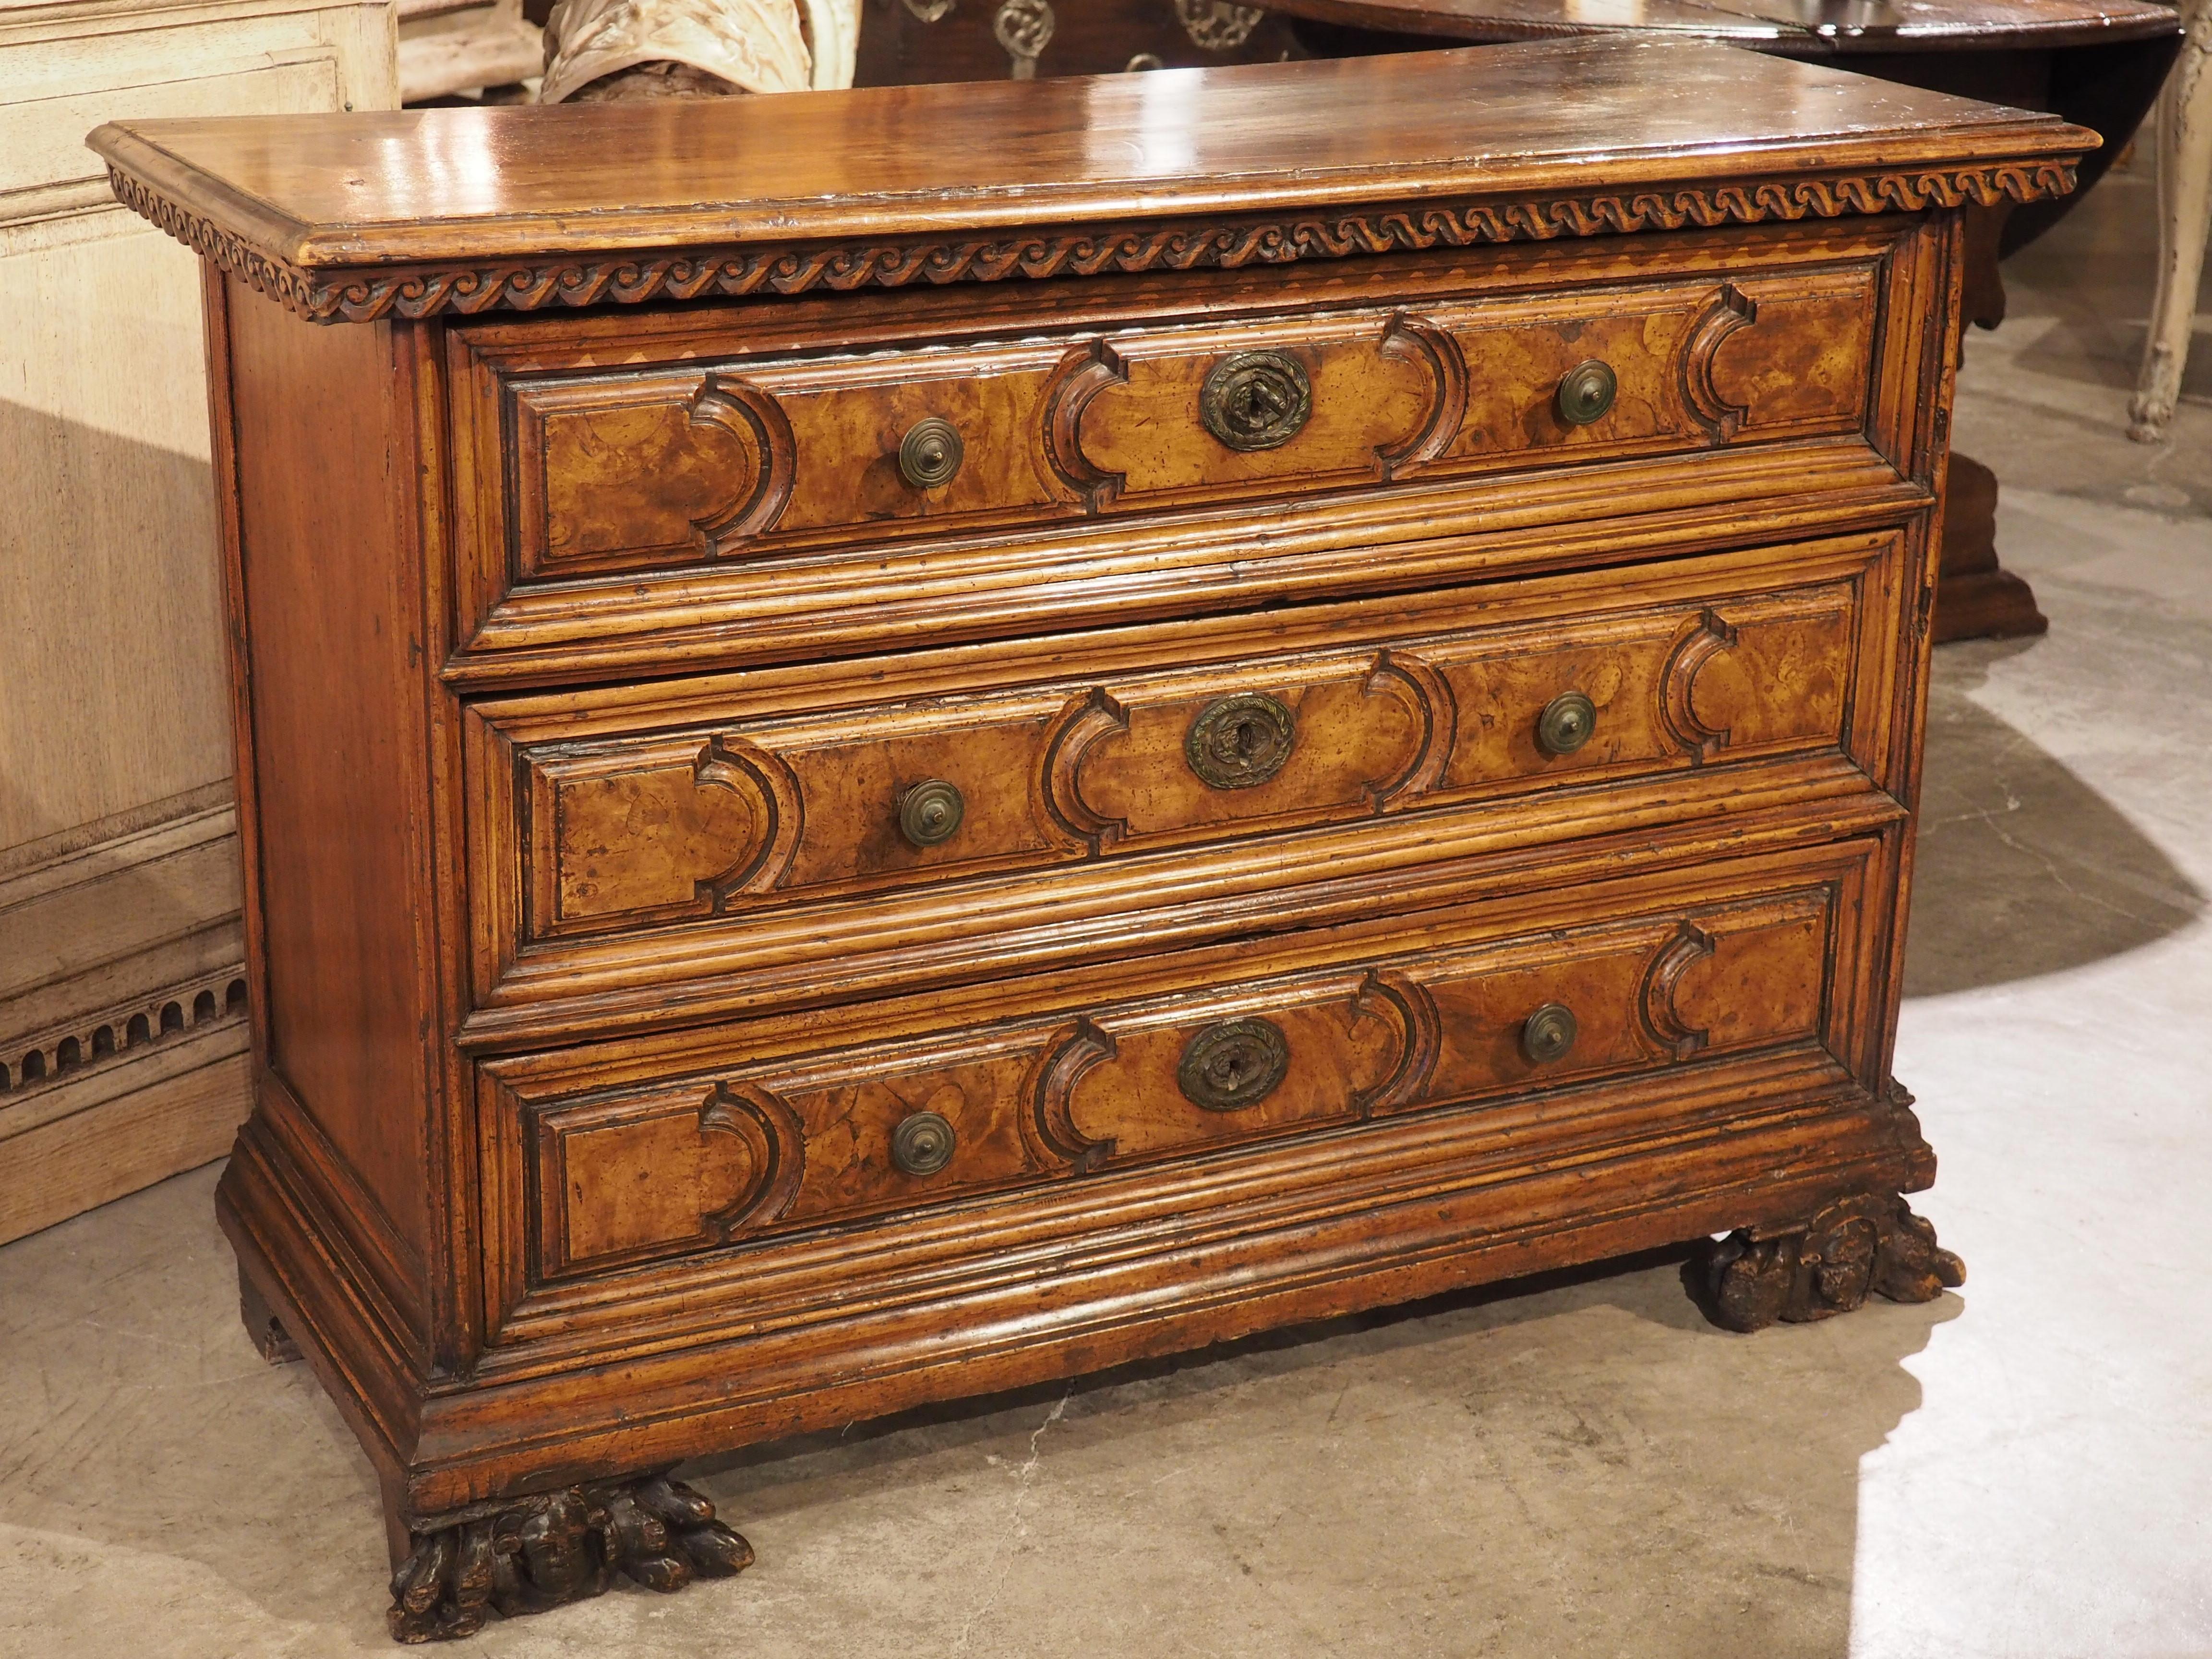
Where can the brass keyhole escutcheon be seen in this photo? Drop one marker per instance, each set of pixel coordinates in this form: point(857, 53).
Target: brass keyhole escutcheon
point(1239, 741)
point(930, 812)
point(1235, 1064)
point(922, 1144)
point(1586, 393)
point(1568, 722)
point(1547, 1034)
point(1255, 400)
point(930, 453)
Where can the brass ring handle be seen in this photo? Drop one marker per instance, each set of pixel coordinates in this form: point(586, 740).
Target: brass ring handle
point(1586, 391)
point(1547, 1034)
point(1568, 722)
point(930, 453)
point(1242, 740)
point(922, 1144)
point(1257, 400)
point(930, 811)
point(1235, 1064)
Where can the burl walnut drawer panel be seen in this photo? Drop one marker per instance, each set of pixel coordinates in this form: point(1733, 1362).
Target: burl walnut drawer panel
point(637, 470)
point(1298, 1035)
point(708, 802)
point(728, 456)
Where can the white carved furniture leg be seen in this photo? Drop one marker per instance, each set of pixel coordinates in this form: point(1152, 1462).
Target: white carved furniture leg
point(2185, 212)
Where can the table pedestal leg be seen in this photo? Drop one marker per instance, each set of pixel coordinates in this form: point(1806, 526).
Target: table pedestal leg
point(1975, 597)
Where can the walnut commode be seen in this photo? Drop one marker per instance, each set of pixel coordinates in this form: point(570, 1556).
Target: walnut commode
point(877, 771)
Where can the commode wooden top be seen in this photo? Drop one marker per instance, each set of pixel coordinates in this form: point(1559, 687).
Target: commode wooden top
point(421, 211)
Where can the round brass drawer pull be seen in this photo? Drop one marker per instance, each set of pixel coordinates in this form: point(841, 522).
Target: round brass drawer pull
point(1233, 1065)
point(922, 1144)
point(1547, 1034)
point(1568, 722)
point(1586, 393)
point(1257, 400)
point(930, 453)
point(1242, 740)
point(930, 812)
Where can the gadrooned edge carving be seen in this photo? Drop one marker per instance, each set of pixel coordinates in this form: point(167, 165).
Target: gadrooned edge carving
point(1704, 639)
point(637, 278)
point(752, 773)
point(1405, 1003)
point(747, 413)
point(1425, 691)
point(1731, 309)
point(1868, 1245)
point(1086, 720)
point(1416, 340)
point(1081, 374)
point(774, 1137)
point(1048, 1127)
point(1662, 978)
point(523, 1555)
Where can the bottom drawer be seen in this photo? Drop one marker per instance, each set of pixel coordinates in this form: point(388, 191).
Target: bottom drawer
point(718, 1142)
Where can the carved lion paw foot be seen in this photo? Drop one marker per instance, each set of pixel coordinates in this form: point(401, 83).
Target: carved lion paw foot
point(539, 1552)
point(1856, 1246)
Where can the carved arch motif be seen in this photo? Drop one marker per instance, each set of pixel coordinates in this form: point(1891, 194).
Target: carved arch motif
point(757, 422)
point(769, 786)
point(1730, 310)
point(775, 1139)
point(1416, 340)
point(1085, 371)
point(1705, 639)
point(1656, 998)
point(1048, 1126)
point(1086, 721)
point(1422, 689)
point(1403, 1001)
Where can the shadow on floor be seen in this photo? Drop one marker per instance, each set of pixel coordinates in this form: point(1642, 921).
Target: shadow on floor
point(2023, 869)
point(1575, 1463)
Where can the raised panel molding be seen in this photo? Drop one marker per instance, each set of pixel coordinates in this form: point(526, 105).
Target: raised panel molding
point(624, 1176)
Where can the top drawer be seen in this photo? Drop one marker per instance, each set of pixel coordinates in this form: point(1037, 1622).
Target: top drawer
point(744, 450)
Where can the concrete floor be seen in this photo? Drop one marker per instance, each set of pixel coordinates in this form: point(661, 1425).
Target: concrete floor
point(1582, 1468)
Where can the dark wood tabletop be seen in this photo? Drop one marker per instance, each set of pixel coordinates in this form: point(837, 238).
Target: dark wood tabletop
point(1810, 28)
point(334, 192)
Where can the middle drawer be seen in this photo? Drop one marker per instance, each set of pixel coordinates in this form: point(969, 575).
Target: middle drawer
point(697, 804)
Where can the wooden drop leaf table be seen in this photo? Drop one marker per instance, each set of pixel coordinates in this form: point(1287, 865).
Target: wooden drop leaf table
point(899, 742)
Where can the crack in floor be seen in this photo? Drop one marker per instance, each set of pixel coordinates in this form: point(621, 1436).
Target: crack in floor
point(1001, 1554)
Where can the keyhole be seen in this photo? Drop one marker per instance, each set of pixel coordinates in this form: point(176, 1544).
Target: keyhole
point(1249, 739)
point(1262, 403)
